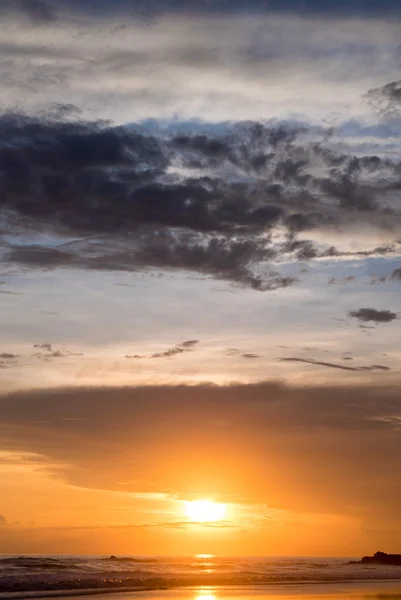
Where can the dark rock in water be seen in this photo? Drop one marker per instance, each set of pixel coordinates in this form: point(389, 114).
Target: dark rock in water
point(379, 558)
point(121, 559)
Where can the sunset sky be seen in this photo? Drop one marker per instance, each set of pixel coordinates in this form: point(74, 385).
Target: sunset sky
point(200, 279)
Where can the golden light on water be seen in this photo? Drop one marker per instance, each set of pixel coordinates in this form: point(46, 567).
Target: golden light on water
point(205, 511)
point(205, 594)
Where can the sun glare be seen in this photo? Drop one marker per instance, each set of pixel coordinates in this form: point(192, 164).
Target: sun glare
point(203, 511)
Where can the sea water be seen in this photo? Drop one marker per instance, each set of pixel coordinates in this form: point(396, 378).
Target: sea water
point(55, 576)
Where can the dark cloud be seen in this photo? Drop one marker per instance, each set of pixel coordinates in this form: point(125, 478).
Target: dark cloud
point(334, 365)
point(151, 8)
point(3, 521)
point(396, 274)
point(250, 355)
point(114, 184)
point(38, 10)
point(189, 343)
point(371, 314)
point(168, 353)
point(217, 256)
point(181, 348)
point(8, 356)
point(37, 256)
point(386, 99)
point(50, 352)
point(46, 346)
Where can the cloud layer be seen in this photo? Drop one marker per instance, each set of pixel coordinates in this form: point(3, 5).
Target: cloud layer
point(228, 204)
point(184, 440)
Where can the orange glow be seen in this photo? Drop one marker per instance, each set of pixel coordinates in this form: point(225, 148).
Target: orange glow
point(204, 511)
point(205, 595)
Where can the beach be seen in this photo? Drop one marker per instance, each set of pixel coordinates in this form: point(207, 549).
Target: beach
point(377, 590)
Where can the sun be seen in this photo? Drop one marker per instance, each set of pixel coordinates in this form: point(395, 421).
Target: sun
point(204, 511)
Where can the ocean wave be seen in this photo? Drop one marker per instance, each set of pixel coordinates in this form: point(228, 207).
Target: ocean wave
point(68, 575)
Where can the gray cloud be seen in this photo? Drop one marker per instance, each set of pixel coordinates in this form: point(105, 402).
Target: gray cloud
point(38, 10)
point(151, 8)
point(181, 348)
point(371, 314)
point(387, 99)
point(46, 346)
point(335, 365)
point(396, 274)
point(189, 343)
point(115, 184)
point(50, 352)
point(347, 279)
point(217, 256)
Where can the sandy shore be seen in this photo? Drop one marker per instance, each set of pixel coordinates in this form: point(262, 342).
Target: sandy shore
point(377, 590)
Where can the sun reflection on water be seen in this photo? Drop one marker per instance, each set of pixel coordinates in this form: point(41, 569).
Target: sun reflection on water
point(205, 593)
point(205, 564)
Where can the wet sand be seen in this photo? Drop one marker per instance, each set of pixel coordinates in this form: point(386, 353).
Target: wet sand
point(378, 590)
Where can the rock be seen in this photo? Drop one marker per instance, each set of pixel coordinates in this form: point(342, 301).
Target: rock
point(379, 558)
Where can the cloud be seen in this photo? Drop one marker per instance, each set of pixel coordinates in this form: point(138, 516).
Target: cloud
point(231, 44)
point(216, 256)
point(38, 10)
point(181, 348)
point(210, 202)
point(396, 274)
point(46, 346)
point(189, 343)
point(50, 352)
point(3, 521)
point(387, 99)
point(371, 314)
point(189, 443)
point(347, 279)
point(156, 7)
point(334, 365)
point(250, 355)
point(171, 352)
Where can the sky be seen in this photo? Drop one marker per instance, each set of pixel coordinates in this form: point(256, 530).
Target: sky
point(200, 247)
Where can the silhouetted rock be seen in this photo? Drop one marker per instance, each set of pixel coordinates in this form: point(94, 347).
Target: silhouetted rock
point(379, 558)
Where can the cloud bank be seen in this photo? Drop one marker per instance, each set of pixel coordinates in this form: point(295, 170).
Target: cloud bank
point(104, 436)
point(229, 205)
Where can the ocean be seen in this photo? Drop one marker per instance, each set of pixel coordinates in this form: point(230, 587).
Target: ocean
point(202, 577)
